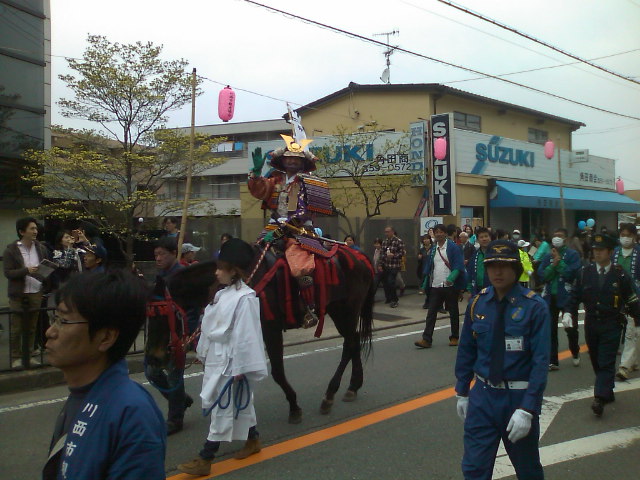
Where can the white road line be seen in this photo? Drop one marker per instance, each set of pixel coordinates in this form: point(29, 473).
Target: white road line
point(572, 449)
point(22, 406)
point(41, 403)
point(197, 374)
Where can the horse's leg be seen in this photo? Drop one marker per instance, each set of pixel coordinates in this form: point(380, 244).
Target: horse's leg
point(357, 371)
point(272, 335)
point(334, 384)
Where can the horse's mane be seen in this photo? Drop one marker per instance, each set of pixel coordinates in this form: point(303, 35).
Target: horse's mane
point(192, 286)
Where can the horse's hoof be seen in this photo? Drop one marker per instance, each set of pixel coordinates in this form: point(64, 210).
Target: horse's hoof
point(295, 416)
point(349, 396)
point(325, 406)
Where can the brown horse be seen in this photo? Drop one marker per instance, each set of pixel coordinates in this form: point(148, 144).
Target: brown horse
point(349, 302)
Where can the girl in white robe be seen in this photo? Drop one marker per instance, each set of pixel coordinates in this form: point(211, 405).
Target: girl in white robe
point(230, 347)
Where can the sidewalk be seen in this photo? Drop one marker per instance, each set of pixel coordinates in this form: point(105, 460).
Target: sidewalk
point(409, 312)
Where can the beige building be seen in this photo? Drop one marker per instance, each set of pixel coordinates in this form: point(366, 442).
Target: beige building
point(522, 193)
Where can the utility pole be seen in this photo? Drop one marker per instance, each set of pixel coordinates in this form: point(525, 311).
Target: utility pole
point(562, 211)
point(187, 190)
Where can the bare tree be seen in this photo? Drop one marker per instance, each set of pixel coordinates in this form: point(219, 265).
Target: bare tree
point(358, 178)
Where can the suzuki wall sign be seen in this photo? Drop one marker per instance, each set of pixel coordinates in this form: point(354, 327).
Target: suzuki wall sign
point(443, 176)
point(505, 158)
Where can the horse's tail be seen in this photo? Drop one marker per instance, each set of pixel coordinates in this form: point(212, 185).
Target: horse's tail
point(365, 326)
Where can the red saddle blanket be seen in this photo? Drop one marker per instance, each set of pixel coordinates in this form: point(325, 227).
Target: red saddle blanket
point(325, 276)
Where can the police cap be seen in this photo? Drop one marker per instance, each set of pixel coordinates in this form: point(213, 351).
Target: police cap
point(236, 252)
point(603, 240)
point(502, 251)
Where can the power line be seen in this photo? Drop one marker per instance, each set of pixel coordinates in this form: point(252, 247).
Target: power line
point(607, 130)
point(291, 102)
point(537, 52)
point(249, 91)
point(426, 57)
point(533, 39)
point(549, 67)
point(20, 50)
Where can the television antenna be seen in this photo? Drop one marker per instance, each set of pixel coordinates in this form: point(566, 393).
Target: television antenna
point(386, 73)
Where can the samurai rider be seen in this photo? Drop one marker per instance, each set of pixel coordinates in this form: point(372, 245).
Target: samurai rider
point(293, 195)
point(505, 345)
point(606, 290)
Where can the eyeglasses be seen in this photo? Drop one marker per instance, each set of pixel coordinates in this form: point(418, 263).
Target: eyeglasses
point(58, 321)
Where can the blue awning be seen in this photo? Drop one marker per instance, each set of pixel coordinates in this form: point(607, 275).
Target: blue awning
point(528, 195)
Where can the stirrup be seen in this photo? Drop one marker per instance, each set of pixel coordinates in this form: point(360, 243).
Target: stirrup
point(310, 319)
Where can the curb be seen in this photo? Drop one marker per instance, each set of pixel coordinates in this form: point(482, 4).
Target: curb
point(44, 377)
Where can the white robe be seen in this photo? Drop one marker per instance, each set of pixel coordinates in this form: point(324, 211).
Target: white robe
point(231, 344)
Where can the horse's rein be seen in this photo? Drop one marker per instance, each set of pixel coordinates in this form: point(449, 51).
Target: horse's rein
point(262, 255)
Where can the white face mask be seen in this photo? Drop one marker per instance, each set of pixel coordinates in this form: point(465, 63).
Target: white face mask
point(516, 237)
point(557, 242)
point(626, 242)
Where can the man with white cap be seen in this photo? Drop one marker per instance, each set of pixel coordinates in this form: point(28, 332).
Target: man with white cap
point(188, 254)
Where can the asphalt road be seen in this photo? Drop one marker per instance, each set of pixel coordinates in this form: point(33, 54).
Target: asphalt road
point(403, 424)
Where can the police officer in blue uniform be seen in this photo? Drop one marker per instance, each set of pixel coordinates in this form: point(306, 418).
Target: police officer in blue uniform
point(505, 344)
point(606, 291)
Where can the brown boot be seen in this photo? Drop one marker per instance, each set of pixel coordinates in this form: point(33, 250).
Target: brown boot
point(251, 446)
point(198, 466)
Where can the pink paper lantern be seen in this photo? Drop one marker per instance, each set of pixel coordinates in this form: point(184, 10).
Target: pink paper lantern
point(440, 148)
point(549, 148)
point(620, 186)
point(226, 103)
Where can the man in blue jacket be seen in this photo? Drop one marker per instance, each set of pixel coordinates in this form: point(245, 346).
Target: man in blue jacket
point(558, 270)
point(110, 427)
point(444, 273)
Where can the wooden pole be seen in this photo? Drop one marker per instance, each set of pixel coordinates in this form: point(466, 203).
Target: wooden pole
point(562, 211)
point(187, 191)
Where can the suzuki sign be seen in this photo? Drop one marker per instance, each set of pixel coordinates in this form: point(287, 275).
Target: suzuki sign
point(443, 176)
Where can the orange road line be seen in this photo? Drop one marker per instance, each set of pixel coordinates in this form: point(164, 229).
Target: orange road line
point(288, 446)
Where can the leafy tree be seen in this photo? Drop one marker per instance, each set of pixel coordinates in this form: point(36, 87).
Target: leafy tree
point(115, 175)
point(127, 89)
point(362, 180)
point(92, 178)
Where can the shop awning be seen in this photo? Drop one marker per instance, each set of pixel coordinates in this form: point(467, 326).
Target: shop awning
point(528, 195)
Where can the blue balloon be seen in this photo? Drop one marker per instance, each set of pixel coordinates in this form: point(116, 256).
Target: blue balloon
point(582, 224)
point(591, 222)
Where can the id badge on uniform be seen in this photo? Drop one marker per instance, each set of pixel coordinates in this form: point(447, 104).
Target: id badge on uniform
point(514, 344)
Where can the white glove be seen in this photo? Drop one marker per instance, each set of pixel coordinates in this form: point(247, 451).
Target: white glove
point(519, 425)
point(567, 322)
point(462, 406)
point(283, 220)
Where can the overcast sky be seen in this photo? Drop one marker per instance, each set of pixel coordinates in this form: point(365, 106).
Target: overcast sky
point(233, 42)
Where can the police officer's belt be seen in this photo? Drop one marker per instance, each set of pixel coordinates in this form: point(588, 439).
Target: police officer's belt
point(509, 384)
